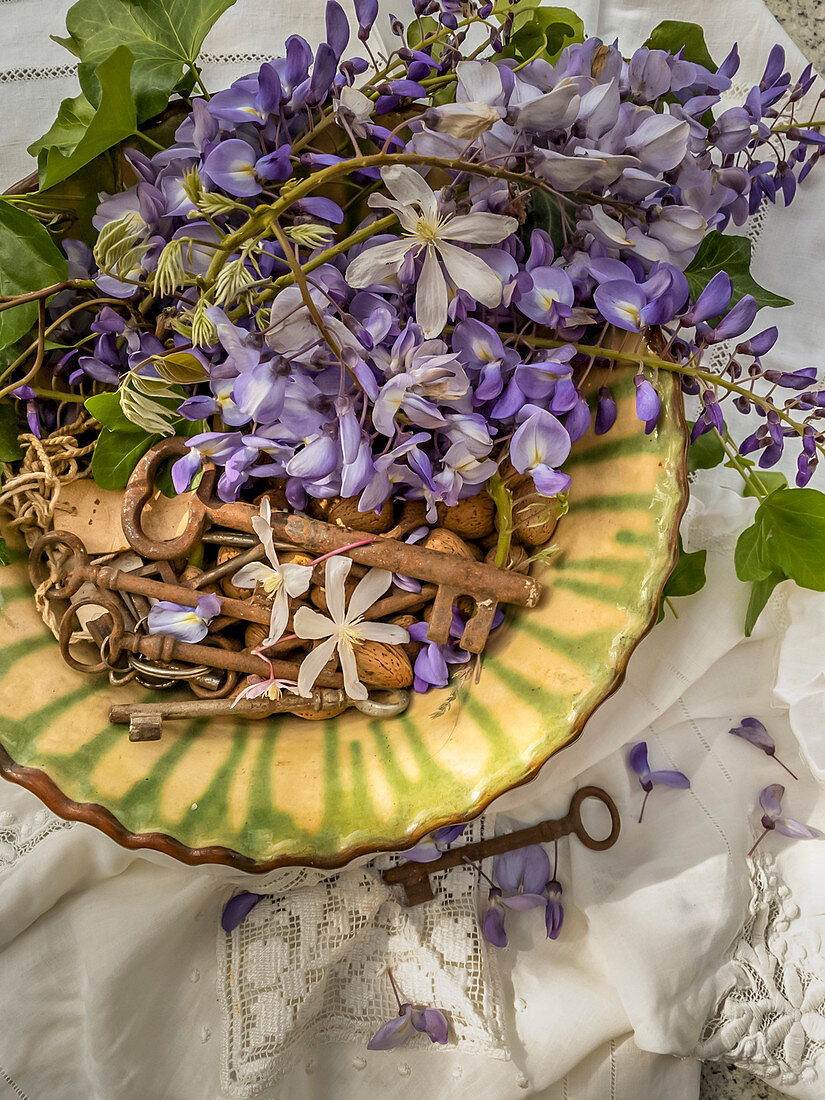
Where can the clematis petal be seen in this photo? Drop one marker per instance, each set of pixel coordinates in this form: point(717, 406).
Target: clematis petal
point(469, 272)
point(431, 296)
point(409, 187)
point(370, 588)
point(352, 685)
point(251, 574)
point(313, 663)
point(278, 618)
point(312, 624)
point(336, 572)
point(297, 578)
point(384, 632)
point(373, 265)
point(479, 228)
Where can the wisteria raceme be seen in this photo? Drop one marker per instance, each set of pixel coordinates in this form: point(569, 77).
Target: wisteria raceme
point(388, 275)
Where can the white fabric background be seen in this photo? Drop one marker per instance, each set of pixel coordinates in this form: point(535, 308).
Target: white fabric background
point(110, 981)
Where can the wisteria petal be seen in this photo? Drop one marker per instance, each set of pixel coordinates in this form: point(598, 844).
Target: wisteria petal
point(770, 799)
point(795, 829)
point(394, 1032)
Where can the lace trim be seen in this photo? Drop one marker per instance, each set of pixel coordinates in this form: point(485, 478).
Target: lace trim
point(772, 1021)
point(307, 967)
point(19, 836)
point(58, 72)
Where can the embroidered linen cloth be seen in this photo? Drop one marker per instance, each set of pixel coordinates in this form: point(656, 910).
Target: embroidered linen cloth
point(117, 984)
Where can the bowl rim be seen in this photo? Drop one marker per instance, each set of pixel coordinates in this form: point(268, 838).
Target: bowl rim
point(91, 813)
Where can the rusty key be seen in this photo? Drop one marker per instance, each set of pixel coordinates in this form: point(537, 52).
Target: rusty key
point(415, 877)
point(453, 577)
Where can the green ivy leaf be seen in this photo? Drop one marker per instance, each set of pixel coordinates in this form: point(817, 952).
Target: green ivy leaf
point(770, 479)
point(4, 554)
point(10, 450)
point(726, 252)
point(705, 452)
point(672, 35)
point(164, 36)
point(29, 260)
point(107, 411)
point(750, 557)
point(551, 216)
point(785, 541)
point(688, 576)
point(794, 525)
point(543, 32)
point(117, 453)
point(760, 594)
point(80, 132)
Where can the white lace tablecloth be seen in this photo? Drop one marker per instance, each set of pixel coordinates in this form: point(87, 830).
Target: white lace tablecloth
point(116, 982)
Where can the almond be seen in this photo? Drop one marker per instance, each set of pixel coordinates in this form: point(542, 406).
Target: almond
point(534, 516)
point(276, 494)
point(255, 634)
point(516, 558)
point(343, 512)
point(411, 648)
point(225, 554)
point(382, 665)
point(448, 542)
point(472, 518)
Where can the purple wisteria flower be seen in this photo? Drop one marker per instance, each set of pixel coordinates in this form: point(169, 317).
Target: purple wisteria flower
point(770, 799)
point(752, 730)
point(187, 624)
point(237, 909)
point(539, 445)
point(522, 876)
point(410, 1019)
point(638, 762)
point(432, 846)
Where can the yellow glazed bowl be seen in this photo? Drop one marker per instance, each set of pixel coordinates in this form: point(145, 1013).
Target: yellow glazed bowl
point(259, 795)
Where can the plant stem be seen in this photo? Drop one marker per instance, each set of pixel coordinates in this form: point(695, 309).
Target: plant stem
point(334, 250)
point(503, 500)
point(9, 302)
point(644, 803)
point(149, 141)
point(785, 766)
point(660, 364)
point(758, 842)
point(749, 476)
point(394, 987)
point(58, 395)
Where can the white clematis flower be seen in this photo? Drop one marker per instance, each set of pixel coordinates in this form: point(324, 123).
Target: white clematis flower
point(427, 227)
point(278, 581)
point(345, 628)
